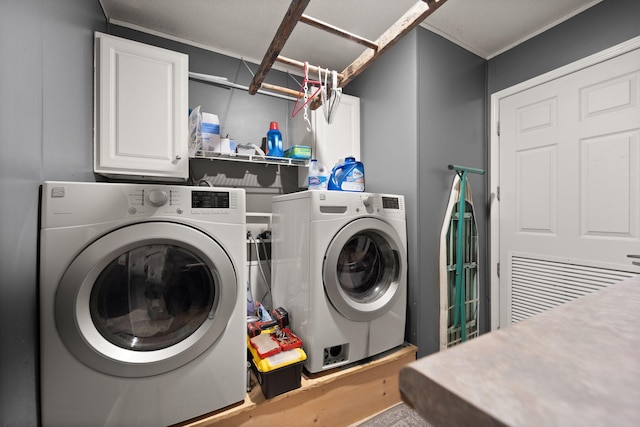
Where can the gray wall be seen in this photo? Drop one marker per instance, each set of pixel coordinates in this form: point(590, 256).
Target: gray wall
point(46, 105)
point(423, 108)
point(600, 27)
point(451, 111)
point(389, 131)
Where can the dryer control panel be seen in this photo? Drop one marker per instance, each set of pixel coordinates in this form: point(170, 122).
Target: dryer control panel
point(379, 204)
point(186, 198)
point(76, 203)
point(210, 199)
point(334, 204)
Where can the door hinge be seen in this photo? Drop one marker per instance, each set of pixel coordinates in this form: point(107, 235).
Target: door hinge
point(498, 128)
point(498, 193)
point(498, 269)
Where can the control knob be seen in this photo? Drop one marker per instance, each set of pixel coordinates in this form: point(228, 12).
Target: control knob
point(368, 201)
point(157, 198)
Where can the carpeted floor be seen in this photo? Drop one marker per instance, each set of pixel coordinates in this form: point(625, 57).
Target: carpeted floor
point(400, 415)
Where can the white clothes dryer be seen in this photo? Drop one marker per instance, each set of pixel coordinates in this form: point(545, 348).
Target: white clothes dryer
point(142, 303)
point(339, 267)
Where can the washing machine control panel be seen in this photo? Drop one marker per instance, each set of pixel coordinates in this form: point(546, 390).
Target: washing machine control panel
point(380, 204)
point(193, 202)
point(331, 203)
point(145, 200)
point(73, 203)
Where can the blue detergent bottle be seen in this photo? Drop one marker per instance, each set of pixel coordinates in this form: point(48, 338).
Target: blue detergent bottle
point(347, 176)
point(274, 141)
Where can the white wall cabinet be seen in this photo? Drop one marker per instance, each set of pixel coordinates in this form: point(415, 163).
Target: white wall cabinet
point(332, 142)
point(140, 111)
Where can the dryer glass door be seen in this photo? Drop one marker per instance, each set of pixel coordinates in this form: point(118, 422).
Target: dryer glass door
point(363, 267)
point(146, 299)
point(152, 297)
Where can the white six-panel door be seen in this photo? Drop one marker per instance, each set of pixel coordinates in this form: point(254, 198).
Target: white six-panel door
point(569, 186)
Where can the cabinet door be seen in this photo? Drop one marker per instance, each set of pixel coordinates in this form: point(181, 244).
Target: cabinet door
point(141, 110)
point(332, 142)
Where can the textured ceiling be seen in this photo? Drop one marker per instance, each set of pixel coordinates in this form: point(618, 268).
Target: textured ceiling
point(245, 28)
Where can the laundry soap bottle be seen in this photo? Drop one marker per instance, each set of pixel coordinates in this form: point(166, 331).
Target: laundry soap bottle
point(274, 141)
point(318, 176)
point(347, 176)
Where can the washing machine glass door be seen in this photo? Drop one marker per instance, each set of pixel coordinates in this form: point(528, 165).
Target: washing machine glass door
point(365, 264)
point(145, 299)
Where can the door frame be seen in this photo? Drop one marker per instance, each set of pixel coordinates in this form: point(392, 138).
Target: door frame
point(497, 288)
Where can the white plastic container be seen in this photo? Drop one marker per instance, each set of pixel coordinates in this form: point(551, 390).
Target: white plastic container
point(210, 132)
point(318, 176)
point(227, 146)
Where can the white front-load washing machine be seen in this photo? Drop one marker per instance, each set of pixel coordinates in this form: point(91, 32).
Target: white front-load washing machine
point(142, 303)
point(339, 267)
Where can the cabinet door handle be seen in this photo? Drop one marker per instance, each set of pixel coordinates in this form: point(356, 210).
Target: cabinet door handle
point(177, 158)
point(634, 256)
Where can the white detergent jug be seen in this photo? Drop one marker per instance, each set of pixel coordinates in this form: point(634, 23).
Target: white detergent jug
point(318, 176)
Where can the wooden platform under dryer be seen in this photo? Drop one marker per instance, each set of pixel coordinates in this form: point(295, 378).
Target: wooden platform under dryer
point(338, 397)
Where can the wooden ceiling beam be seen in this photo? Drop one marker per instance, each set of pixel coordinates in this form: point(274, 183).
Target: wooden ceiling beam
point(291, 18)
point(404, 25)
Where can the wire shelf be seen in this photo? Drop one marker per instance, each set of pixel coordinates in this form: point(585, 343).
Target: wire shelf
point(249, 158)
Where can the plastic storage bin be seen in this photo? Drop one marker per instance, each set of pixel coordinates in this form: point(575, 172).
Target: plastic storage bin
point(279, 373)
